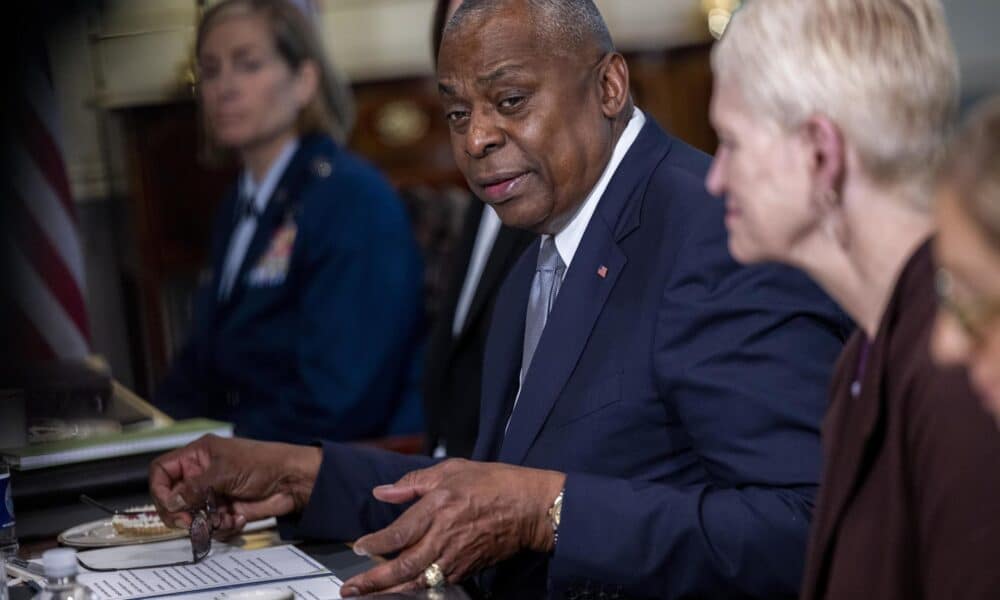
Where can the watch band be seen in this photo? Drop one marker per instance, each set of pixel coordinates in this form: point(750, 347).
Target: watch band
point(555, 515)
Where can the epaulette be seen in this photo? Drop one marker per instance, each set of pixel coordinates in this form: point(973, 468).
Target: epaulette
point(321, 167)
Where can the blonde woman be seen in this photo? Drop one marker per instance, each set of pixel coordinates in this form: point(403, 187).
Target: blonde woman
point(968, 252)
point(831, 116)
point(309, 325)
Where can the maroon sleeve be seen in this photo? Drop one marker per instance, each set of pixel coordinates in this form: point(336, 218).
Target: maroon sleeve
point(955, 475)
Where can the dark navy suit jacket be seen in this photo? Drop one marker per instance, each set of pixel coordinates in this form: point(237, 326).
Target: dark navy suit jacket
point(325, 343)
point(681, 393)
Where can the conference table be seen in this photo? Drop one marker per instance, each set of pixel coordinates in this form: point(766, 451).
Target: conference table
point(337, 557)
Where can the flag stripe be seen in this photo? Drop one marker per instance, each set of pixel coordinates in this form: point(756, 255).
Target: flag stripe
point(44, 311)
point(40, 200)
point(44, 243)
point(47, 156)
point(43, 256)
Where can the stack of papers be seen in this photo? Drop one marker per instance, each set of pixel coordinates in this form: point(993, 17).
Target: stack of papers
point(219, 576)
point(141, 441)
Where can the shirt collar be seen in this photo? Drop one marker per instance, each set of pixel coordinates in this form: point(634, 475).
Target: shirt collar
point(568, 240)
point(262, 191)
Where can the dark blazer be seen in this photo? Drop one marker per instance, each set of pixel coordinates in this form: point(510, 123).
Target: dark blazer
point(681, 393)
point(911, 485)
point(328, 349)
point(453, 368)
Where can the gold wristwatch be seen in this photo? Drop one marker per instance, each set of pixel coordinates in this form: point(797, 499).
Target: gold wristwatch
point(555, 513)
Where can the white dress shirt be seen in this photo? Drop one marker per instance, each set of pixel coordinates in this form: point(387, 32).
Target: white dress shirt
point(568, 239)
point(247, 226)
point(486, 236)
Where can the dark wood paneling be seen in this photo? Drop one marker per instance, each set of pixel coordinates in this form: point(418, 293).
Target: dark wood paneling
point(400, 128)
point(674, 87)
point(172, 200)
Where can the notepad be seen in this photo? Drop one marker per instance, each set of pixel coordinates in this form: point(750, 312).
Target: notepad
point(214, 576)
point(314, 588)
point(158, 439)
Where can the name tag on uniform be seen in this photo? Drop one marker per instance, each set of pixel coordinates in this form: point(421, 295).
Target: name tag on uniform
point(272, 267)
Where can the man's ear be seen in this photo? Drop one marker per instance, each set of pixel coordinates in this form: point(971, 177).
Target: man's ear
point(614, 84)
point(829, 154)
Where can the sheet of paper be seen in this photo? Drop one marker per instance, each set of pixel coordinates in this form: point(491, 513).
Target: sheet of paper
point(314, 588)
point(225, 570)
point(139, 556)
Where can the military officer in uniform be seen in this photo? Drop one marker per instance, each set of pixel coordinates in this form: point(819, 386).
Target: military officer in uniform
point(310, 323)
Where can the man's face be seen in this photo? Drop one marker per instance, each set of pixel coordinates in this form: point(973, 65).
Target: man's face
point(527, 126)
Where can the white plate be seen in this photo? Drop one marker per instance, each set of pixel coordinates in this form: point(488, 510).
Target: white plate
point(100, 534)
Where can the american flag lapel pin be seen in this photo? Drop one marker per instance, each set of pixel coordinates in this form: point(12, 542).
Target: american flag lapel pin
point(602, 272)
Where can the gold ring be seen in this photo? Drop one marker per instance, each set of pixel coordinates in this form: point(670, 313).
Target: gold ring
point(433, 576)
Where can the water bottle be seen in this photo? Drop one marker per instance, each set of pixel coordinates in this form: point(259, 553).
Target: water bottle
point(3, 578)
point(8, 538)
point(60, 577)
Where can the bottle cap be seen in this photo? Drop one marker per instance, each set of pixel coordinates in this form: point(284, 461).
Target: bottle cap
point(59, 562)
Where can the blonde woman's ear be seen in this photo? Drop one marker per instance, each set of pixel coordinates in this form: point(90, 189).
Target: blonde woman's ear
point(828, 151)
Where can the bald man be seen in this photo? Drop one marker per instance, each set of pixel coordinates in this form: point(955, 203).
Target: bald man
point(650, 410)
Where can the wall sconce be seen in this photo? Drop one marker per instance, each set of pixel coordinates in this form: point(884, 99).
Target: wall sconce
point(718, 13)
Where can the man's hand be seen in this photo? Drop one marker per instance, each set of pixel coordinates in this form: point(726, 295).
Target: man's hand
point(250, 480)
point(469, 516)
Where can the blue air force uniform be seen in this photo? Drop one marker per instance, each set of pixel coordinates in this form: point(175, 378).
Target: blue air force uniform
point(310, 323)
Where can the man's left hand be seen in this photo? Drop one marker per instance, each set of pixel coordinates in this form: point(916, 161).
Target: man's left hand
point(468, 516)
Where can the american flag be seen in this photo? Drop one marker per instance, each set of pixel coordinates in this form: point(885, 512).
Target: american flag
point(44, 241)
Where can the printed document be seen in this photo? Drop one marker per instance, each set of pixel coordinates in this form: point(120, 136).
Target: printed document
point(314, 588)
point(218, 572)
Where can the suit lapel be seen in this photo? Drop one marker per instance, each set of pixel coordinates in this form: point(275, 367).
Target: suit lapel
point(581, 298)
point(502, 357)
point(220, 247)
point(856, 433)
point(266, 225)
point(276, 211)
point(463, 253)
point(509, 244)
point(595, 268)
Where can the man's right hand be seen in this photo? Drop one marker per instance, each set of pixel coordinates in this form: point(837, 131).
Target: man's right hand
point(250, 480)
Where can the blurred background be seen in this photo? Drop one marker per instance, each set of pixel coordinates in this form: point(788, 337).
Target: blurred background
point(122, 77)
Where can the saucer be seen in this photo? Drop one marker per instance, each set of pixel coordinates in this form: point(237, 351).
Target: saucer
point(101, 534)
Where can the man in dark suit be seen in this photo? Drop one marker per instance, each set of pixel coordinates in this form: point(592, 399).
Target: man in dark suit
point(653, 407)
point(453, 369)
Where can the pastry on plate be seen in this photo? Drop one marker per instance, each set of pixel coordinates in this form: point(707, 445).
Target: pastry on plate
point(140, 521)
